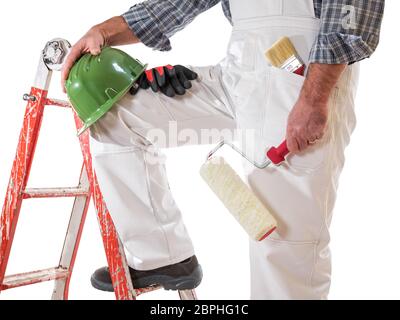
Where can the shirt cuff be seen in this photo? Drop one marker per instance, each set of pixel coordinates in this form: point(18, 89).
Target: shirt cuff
point(339, 48)
point(145, 27)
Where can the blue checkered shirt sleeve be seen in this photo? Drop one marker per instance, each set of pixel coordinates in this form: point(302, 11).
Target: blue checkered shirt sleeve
point(155, 21)
point(349, 30)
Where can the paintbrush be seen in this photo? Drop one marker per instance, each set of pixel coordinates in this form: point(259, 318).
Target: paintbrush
point(283, 55)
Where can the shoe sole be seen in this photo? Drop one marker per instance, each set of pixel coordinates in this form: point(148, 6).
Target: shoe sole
point(170, 283)
point(189, 282)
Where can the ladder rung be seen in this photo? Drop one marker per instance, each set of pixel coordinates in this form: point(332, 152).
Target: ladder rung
point(55, 192)
point(58, 103)
point(23, 279)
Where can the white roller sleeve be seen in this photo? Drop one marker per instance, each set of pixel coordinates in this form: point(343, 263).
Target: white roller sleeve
point(238, 198)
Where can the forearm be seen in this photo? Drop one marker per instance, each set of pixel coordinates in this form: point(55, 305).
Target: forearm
point(116, 32)
point(319, 83)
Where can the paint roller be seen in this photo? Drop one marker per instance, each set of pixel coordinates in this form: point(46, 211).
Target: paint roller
point(237, 197)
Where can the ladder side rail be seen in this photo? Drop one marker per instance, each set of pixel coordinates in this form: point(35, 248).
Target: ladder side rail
point(22, 163)
point(72, 238)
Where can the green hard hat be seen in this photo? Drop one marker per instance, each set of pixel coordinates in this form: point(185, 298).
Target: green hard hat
point(96, 83)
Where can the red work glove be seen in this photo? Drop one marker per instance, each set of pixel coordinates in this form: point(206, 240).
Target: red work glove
point(170, 80)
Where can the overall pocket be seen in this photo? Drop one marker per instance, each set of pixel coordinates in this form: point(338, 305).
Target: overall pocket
point(283, 90)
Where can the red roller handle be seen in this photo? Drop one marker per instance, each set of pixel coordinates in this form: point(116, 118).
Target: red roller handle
point(277, 155)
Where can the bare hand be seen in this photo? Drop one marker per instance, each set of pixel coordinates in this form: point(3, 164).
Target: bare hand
point(306, 124)
point(92, 42)
point(112, 32)
point(308, 119)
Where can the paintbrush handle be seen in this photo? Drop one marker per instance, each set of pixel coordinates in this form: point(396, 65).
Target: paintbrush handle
point(277, 154)
point(301, 70)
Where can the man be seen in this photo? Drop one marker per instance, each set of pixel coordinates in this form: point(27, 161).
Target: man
point(315, 114)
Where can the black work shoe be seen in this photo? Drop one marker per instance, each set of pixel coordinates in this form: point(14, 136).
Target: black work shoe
point(185, 275)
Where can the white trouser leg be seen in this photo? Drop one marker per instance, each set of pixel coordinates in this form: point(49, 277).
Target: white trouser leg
point(294, 262)
point(130, 167)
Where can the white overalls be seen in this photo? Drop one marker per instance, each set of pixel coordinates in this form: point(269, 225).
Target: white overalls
point(243, 91)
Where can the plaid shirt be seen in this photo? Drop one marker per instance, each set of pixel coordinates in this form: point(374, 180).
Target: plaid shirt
point(349, 28)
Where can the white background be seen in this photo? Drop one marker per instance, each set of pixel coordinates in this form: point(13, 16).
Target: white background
point(365, 228)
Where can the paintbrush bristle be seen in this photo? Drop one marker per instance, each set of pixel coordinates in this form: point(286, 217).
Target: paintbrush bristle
point(280, 52)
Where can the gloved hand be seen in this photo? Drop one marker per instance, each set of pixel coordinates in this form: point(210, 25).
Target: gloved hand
point(170, 80)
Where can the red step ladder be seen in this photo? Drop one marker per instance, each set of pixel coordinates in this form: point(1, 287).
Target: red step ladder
point(51, 60)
